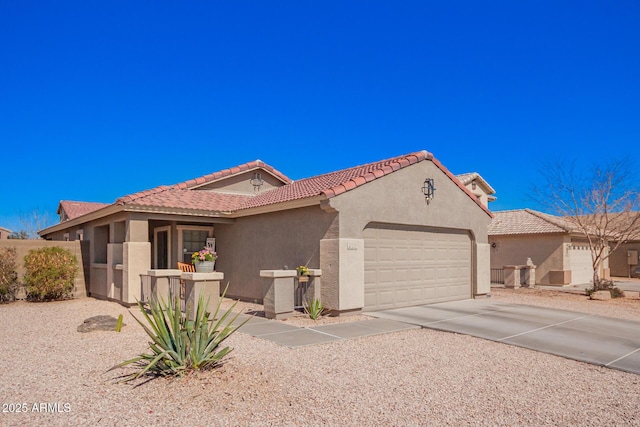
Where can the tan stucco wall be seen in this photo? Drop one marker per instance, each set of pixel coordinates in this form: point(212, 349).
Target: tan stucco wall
point(242, 183)
point(79, 249)
point(618, 260)
point(398, 199)
point(269, 242)
point(545, 250)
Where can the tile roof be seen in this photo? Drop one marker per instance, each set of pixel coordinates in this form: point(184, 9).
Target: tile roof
point(335, 183)
point(467, 178)
point(182, 198)
point(185, 197)
point(526, 221)
point(197, 182)
point(75, 209)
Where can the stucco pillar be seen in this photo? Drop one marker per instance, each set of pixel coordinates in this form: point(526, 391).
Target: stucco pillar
point(278, 291)
point(136, 261)
point(342, 264)
point(206, 285)
point(160, 283)
point(511, 276)
point(483, 269)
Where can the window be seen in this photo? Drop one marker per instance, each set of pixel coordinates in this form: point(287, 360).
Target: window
point(65, 237)
point(192, 239)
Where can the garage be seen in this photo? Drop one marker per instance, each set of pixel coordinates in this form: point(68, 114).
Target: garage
point(407, 266)
point(580, 264)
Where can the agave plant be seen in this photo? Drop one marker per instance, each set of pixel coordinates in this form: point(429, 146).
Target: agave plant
point(314, 308)
point(180, 345)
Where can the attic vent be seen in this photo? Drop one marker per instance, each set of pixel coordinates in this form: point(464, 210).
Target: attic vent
point(257, 181)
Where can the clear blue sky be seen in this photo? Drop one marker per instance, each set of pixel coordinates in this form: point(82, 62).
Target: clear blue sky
point(102, 99)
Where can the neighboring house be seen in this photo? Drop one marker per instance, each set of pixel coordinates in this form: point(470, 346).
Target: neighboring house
point(379, 241)
point(4, 233)
point(560, 251)
point(478, 186)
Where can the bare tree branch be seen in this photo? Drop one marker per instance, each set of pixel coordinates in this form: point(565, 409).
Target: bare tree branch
point(602, 205)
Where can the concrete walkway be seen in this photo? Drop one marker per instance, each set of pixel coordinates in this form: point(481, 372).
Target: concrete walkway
point(293, 336)
point(614, 343)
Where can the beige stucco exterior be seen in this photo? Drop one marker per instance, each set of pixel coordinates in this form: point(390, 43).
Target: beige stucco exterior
point(4, 233)
point(319, 232)
point(560, 259)
point(545, 250)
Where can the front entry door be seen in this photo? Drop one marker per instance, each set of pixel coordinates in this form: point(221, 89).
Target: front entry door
point(162, 247)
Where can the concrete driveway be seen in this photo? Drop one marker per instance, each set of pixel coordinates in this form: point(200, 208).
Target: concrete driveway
point(613, 343)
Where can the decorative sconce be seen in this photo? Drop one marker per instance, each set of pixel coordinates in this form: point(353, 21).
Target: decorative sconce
point(257, 181)
point(473, 184)
point(428, 190)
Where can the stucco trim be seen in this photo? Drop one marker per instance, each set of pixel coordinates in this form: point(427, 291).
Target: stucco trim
point(92, 216)
point(293, 204)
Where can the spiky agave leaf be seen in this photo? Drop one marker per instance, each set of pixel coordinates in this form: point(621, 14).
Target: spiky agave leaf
point(179, 345)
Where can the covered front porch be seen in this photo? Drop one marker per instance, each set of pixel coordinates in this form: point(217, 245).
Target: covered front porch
point(127, 248)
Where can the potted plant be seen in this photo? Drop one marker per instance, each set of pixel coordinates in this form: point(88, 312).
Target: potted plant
point(204, 260)
point(303, 273)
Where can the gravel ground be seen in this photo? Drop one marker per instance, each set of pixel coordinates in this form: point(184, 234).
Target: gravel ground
point(419, 377)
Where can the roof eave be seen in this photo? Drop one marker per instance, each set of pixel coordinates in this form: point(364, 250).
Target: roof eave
point(282, 206)
point(91, 216)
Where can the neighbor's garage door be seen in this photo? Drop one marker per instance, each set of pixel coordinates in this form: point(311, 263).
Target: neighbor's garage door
point(411, 266)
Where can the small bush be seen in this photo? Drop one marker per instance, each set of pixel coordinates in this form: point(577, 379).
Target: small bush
point(8, 275)
point(49, 273)
point(605, 285)
point(180, 345)
point(314, 308)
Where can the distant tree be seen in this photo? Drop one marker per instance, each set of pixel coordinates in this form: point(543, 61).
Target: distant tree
point(602, 203)
point(34, 221)
point(18, 235)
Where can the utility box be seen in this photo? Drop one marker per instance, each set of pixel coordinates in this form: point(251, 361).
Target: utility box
point(632, 257)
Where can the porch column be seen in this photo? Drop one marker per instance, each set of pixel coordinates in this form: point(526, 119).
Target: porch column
point(511, 276)
point(342, 265)
point(136, 258)
point(206, 285)
point(277, 293)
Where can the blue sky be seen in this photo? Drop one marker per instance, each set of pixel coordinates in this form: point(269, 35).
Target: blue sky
point(102, 99)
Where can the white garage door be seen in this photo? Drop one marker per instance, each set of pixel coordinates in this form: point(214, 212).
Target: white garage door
point(412, 266)
point(580, 265)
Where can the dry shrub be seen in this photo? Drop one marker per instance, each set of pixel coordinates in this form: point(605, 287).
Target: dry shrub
point(49, 273)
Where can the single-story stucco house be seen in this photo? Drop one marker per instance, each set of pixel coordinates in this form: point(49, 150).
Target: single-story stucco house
point(397, 232)
point(560, 252)
point(4, 233)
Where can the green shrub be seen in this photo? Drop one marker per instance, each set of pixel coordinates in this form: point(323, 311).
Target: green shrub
point(180, 345)
point(49, 273)
point(8, 275)
point(605, 285)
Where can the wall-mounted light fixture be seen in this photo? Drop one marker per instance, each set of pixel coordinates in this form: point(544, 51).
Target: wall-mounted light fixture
point(257, 181)
point(473, 184)
point(428, 190)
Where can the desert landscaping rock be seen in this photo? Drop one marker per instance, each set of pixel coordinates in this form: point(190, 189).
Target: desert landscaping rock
point(417, 377)
point(99, 323)
point(601, 296)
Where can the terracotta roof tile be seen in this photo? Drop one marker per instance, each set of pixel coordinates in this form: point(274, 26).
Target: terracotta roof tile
point(185, 196)
point(335, 183)
point(75, 209)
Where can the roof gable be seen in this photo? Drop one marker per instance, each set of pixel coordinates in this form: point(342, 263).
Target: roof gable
point(197, 197)
point(526, 221)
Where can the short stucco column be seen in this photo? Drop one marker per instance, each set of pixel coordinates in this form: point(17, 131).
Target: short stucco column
point(511, 276)
point(278, 291)
point(315, 286)
point(206, 285)
point(160, 284)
